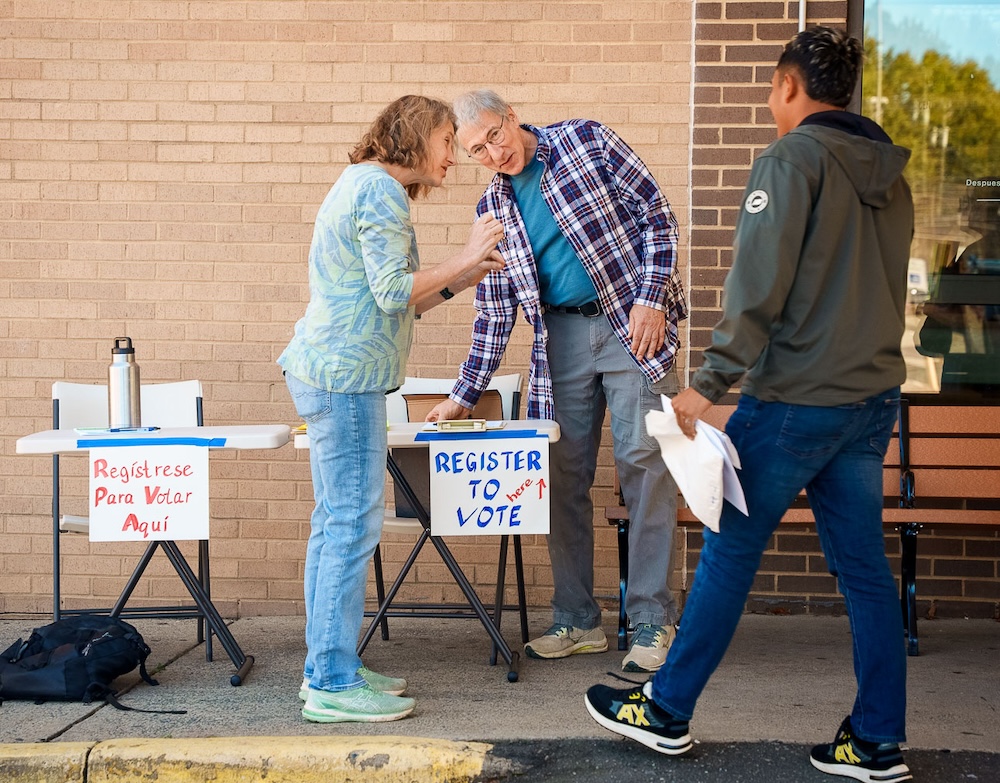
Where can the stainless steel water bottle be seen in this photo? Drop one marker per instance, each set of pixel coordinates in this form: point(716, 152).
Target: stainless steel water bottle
point(123, 386)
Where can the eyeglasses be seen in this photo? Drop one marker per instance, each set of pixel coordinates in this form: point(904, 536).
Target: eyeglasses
point(494, 138)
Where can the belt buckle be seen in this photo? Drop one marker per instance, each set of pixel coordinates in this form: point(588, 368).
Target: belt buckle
point(591, 309)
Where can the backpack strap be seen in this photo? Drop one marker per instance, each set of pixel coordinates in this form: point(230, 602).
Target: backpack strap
point(110, 697)
point(145, 674)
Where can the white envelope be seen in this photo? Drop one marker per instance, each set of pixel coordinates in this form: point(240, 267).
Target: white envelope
point(704, 468)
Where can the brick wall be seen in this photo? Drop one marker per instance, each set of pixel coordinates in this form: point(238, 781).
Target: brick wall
point(161, 163)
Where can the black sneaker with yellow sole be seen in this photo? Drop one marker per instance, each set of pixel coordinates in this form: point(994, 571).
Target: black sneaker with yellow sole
point(633, 714)
point(852, 757)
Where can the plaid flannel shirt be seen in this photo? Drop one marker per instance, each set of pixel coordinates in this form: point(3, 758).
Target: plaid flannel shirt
point(610, 209)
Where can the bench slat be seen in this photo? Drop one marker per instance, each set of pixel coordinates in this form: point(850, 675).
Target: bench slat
point(890, 516)
point(958, 452)
point(951, 420)
point(947, 483)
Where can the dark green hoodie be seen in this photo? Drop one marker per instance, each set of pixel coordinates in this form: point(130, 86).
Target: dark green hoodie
point(813, 305)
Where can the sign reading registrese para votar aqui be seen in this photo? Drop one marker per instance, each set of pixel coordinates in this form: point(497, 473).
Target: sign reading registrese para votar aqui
point(489, 485)
point(144, 493)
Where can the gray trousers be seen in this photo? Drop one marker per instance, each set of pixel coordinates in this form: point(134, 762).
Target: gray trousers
point(591, 373)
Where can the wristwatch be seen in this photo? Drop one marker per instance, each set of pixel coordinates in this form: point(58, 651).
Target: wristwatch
point(446, 293)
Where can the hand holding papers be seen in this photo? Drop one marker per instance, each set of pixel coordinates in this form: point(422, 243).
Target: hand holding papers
point(704, 468)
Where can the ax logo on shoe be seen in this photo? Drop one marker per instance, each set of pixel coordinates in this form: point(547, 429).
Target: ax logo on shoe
point(633, 714)
point(756, 202)
point(845, 753)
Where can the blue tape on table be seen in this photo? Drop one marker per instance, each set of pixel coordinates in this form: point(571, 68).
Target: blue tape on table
point(99, 443)
point(488, 435)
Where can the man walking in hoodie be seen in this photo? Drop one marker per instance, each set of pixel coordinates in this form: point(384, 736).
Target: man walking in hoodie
point(813, 314)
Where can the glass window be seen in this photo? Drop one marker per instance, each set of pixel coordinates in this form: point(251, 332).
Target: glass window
point(931, 79)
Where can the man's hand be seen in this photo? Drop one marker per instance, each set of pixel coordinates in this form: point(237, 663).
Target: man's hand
point(448, 409)
point(689, 406)
point(646, 328)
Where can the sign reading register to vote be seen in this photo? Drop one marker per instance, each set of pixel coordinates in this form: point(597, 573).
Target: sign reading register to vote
point(149, 493)
point(486, 485)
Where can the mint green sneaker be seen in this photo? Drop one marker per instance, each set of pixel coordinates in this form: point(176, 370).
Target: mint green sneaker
point(357, 705)
point(394, 686)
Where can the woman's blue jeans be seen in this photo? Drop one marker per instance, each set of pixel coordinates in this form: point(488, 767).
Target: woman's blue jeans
point(347, 452)
point(836, 454)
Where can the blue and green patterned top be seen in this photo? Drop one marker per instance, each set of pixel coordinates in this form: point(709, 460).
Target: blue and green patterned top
point(355, 335)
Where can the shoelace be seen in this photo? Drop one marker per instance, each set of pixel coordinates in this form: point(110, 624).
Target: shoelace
point(647, 636)
point(626, 679)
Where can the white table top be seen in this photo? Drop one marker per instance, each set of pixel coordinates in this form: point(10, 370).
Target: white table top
point(239, 436)
point(404, 434)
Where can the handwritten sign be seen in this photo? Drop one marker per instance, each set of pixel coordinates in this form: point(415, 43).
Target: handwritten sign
point(143, 493)
point(489, 486)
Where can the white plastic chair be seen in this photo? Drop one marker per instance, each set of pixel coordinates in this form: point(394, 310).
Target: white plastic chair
point(177, 404)
point(413, 462)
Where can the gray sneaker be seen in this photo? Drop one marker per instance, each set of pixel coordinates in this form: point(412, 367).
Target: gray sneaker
point(561, 641)
point(394, 686)
point(357, 705)
point(648, 651)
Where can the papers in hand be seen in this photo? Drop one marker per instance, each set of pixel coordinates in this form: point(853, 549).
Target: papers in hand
point(704, 468)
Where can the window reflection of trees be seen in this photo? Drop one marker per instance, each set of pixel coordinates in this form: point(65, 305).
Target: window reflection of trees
point(948, 114)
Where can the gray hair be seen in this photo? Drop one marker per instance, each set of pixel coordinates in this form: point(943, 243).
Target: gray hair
point(469, 105)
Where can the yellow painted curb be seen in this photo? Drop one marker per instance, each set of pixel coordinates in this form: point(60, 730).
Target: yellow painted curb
point(44, 762)
point(286, 760)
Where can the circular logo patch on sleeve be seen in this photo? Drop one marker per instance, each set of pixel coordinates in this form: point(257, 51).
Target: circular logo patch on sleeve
point(756, 202)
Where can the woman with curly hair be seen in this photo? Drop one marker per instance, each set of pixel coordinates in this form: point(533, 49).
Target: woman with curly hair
point(348, 351)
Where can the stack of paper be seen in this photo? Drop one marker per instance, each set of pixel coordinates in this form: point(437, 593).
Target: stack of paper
point(704, 468)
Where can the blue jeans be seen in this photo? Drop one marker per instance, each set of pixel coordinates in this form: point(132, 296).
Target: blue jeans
point(347, 452)
point(592, 373)
point(836, 454)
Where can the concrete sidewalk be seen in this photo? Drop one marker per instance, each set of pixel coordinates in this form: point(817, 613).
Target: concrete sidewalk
point(785, 679)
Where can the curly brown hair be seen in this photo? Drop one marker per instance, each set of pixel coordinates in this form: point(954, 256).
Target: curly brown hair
point(400, 133)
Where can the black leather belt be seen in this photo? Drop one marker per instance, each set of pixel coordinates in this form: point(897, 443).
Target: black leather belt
point(589, 309)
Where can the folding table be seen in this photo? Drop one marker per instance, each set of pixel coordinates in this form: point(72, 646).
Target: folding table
point(246, 436)
point(404, 435)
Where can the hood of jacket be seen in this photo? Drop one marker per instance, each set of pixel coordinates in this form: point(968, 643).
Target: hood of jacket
point(864, 151)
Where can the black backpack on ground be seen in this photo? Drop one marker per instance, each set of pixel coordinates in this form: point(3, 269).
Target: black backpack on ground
point(74, 659)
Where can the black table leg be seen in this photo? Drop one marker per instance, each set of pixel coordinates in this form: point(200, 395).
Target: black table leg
point(215, 622)
point(511, 657)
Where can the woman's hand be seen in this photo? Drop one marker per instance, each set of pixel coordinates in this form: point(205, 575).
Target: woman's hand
point(492, 263)
point(487, 232)
point(468, 267)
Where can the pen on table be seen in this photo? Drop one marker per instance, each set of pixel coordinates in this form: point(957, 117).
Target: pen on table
point(132, 429)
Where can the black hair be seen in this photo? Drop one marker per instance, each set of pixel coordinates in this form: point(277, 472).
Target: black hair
point(828, 60)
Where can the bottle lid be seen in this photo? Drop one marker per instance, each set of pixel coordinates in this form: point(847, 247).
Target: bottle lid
point(127, 345)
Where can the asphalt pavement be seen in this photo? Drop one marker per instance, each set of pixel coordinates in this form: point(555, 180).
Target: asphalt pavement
point(785, 684)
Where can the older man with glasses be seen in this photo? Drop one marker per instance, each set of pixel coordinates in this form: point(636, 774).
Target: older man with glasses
point(591, 258)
